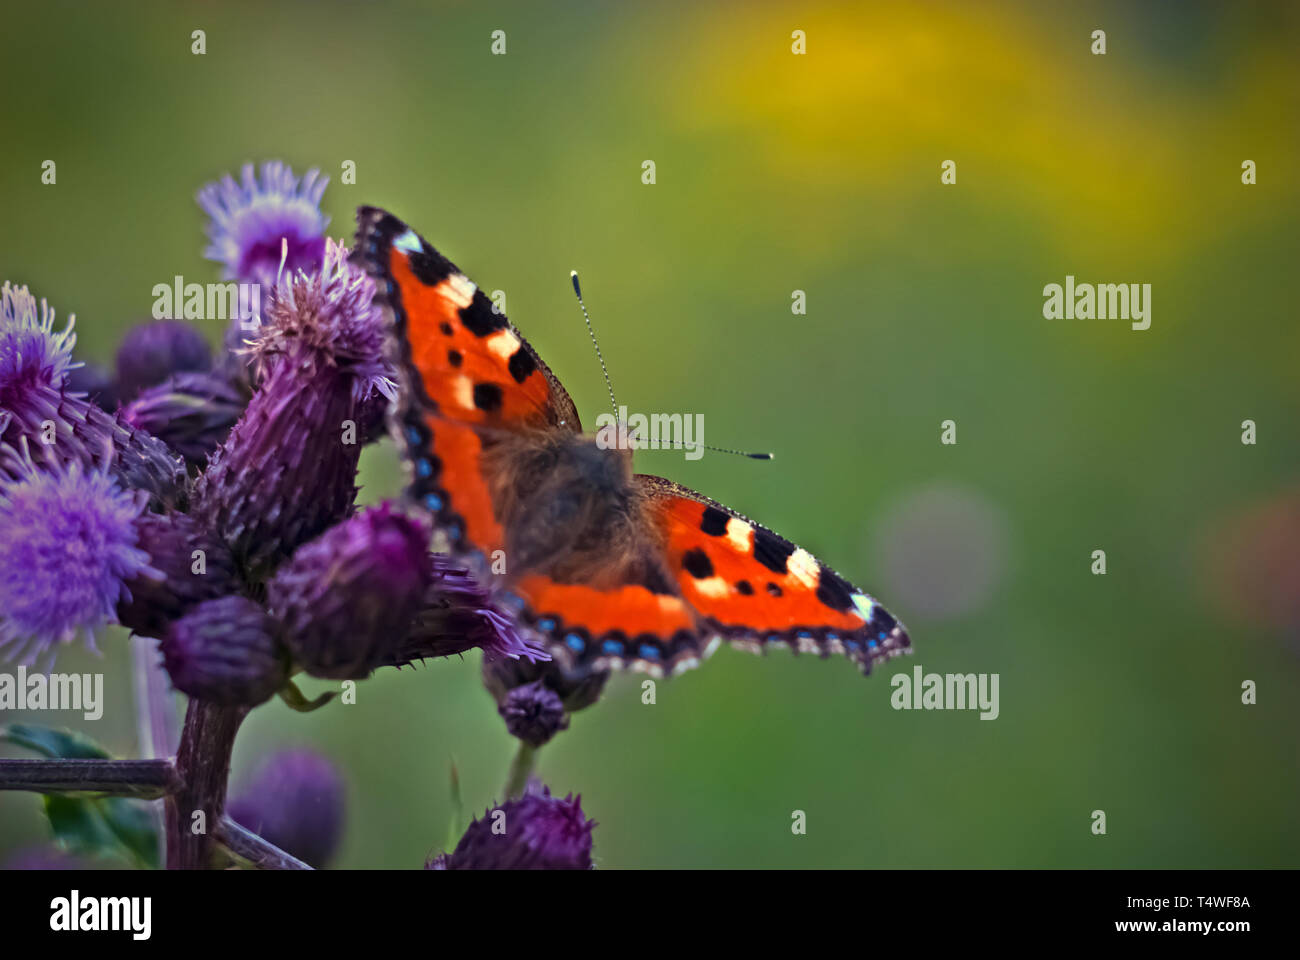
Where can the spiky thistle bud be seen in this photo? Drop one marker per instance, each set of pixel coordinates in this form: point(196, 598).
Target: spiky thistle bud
point(187, 565)
point(286, 472)
point(535, 832)
point(226, 651)
point(347, 599)
point(151, 352)
point(296, 801)
point(191, 412)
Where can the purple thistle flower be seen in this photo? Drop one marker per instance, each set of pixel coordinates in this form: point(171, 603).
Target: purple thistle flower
point(37, 403)
point(348, 597)
point(251, 222)
point(286, 472)
point(534, 713)
point(541, 832)
point(226, 651)
point(152, 352)
point(458, 615)
point(187, 565)
point(190, 412)
point(329, 318)
point(70, 546)
point(296, 800)
point(35, 362)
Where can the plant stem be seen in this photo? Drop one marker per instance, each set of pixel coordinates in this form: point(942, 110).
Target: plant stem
point(520, 770)
point(203, 762)
point(142, 779)
point(259, 853)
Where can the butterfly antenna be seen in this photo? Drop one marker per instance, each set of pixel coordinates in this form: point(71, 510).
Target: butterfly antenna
point(737, 453)
point(609, 386)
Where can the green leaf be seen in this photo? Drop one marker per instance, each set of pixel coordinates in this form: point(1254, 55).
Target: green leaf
point(78, 826)
point(89, 826)
point(135, 827)
point(58, 744)
point(107, 827)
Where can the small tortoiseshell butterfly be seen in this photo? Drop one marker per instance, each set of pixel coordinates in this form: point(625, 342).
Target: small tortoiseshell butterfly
point(610, 568)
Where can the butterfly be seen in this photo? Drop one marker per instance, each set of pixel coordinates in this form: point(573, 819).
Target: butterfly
point(609, 569)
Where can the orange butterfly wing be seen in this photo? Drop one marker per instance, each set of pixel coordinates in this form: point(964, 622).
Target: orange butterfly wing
point(464, 371)
point(758, 590)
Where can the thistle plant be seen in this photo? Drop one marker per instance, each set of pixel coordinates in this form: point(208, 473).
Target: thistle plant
point(206, 501)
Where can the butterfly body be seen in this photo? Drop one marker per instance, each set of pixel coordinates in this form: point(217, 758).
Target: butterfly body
point(610, 568)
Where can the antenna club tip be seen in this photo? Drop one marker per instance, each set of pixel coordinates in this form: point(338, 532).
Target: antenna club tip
point(573, 273)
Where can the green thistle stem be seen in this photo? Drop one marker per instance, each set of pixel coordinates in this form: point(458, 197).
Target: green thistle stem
point(520, 770)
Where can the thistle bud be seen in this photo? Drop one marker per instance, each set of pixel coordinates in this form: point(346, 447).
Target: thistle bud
point(187, 565)
point(535, 832)
point(225, 651)
point(154, 351)
point(347, 599)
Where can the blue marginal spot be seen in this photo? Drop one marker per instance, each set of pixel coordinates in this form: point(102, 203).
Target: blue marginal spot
point(774, 638)
point(423, 468)
point(613, 647)
point(832, 637)
point(454, 532)
point(804, 635)
point(648, 651)
point(881, 635)
point(412, 435)
point(433, 502)
point(871, 643)
point(546, 625)
point(513, 601)
point(852, 644)
point(574, 642)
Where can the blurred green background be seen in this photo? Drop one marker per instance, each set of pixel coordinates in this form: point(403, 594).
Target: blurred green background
point(778, 172)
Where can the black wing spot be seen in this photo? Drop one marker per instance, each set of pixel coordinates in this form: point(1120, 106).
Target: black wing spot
point(479, 317)
point(429, 266)
point(697, 563)
point(454, 358)
point(773, 589)
point(446, 329)
point(833, 591)
point(771, 551)
point(714, 522)
point(487, 397)
point(745, 587)
point(521, 364)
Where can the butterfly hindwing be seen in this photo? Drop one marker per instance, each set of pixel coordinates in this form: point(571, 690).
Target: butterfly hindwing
point(627, 626)
point(758, 590)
